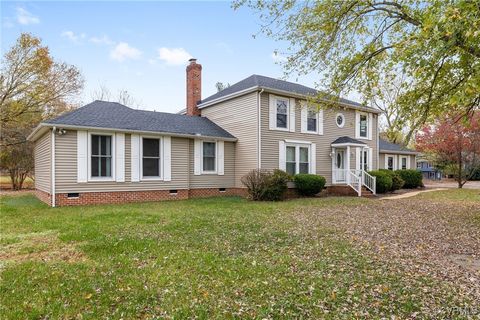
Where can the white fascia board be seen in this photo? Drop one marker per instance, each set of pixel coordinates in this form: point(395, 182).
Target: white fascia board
point(160, 133)
point(399, 152)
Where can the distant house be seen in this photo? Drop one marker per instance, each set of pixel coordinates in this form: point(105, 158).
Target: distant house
point(396, 157)
point(428, 169)
point(105, 152)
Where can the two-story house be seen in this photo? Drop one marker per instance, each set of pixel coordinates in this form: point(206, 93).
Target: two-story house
point(105, 152)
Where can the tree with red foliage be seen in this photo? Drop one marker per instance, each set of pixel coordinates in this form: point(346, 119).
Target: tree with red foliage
point(454, 141)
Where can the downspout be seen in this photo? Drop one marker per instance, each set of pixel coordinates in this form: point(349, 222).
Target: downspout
point(378, 143)
point(54, 129)
point(259, 134)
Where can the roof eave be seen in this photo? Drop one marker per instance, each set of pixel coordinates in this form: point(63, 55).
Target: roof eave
point(348, 144)
point(172, 134)
point(38, 132)
point(399, 152)
point(281, 92)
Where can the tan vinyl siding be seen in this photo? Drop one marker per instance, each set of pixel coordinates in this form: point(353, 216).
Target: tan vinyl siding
point(215, 180)
point(43, 162)
point(270, 138)
point(381, 164)
point(239, 117)
point(66, 168)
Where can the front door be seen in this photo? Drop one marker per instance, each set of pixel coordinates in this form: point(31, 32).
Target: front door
point(340, 175)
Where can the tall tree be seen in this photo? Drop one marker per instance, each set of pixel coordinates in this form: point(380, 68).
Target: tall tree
point(454, 143)
point(221, 86)
point(33, 87)
point(352, 43)
point(122, 96)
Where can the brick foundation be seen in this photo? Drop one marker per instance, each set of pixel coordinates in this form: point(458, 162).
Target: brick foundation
point(43, 196)
point(341, 191)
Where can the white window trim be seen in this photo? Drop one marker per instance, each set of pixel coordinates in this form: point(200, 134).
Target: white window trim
point(89, 159)
point(275, 98)
point(343, 117)
point(304, 119)
point(386, 161)
point(216, 157)
point(406, 163)
point(160, 169)
point(297, 146)
point(357, 125)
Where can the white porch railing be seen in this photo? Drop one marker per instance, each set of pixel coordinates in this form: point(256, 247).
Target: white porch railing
point(355, 179)
point(369, 181)
point(355, 182)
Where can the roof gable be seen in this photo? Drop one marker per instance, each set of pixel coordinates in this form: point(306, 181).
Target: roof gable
point(258, 81)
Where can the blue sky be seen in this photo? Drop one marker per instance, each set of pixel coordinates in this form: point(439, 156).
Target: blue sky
point(143, 47)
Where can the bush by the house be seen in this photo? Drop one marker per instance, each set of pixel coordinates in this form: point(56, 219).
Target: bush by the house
point(264, 185)
point(397, 181)
point(309, 184)
point(413, 178)
point(383, 181)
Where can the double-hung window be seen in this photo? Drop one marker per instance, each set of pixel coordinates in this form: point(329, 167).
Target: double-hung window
point(209, 156)
point(297, 159)
point(312, 119)
point(101, 156)
point(282, 113)
point(363, 126)
point(151, 161)
point(404, 163)
point(390, 163)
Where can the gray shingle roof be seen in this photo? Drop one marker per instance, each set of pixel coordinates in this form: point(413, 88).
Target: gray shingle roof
point(103, 114)
point(347, 140)
point(275, 84)
point(388, 146)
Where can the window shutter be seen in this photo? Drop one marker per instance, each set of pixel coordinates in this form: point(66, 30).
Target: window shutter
point(357, 125)
point(221, 157)
point(281, 155)
point(320, 122)
point(313, 158)
point(370, 126)
point(120, 157)
point(167, 158)
point(135, 157)
point(358, 152)
point(197, 157)
point(370, 159)
point(291, 120)
point(82, 151)
point(408, 162)
point(272, 113)
point(303, 117)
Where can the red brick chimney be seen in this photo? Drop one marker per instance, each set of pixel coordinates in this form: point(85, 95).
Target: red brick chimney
point(194, 87)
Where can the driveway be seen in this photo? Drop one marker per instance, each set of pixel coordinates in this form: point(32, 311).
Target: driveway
point(450, 184)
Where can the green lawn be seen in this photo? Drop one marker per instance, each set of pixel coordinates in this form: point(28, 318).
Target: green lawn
point(211, 258)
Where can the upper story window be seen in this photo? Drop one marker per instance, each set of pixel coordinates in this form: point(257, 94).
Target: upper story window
point(101, 156)
point(312, 118)
point(282, 113)
point(363, 126)
point(340, 120)
point(151, 161)
point(209, 156)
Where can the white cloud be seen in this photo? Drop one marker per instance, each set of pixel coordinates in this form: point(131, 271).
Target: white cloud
point(101, 40)
point(24, 17)
point(124, 51)
point(174, 56)
point(277, 57)
point(72, 36)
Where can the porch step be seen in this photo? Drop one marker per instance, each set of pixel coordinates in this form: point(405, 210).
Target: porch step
point(366, 193)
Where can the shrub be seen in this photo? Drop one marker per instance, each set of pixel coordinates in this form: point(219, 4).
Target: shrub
point(309, 184)
point(397, 181)
point(413, 178)
point(264, 185)
point(383, 181)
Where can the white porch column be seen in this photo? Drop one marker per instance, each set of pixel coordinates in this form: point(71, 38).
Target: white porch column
point(334, 180)
point(347, 166)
